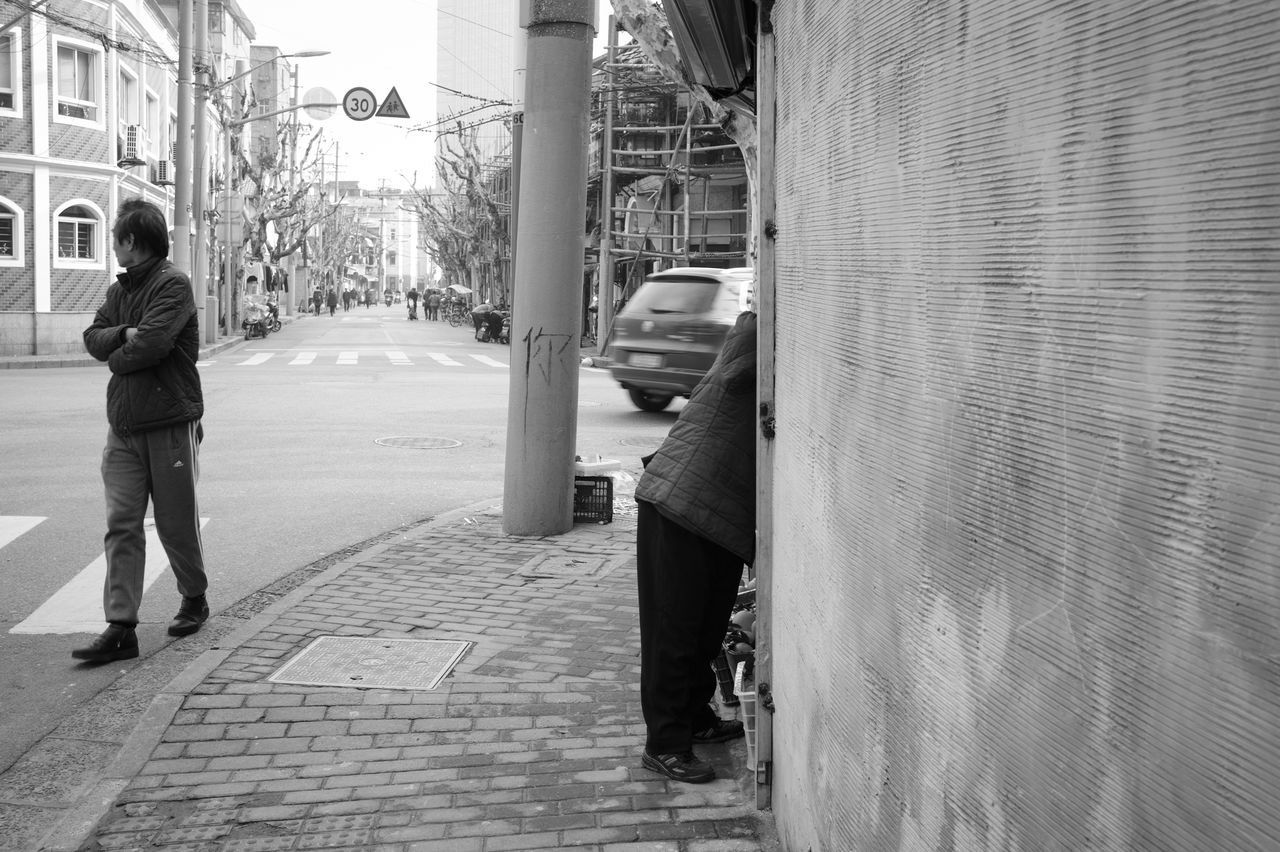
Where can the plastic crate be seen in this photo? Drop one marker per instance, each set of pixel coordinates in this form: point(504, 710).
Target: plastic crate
point(593, 499)
point(744, 688)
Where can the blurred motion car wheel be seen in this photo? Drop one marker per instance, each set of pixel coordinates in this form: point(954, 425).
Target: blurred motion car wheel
point(649, 400)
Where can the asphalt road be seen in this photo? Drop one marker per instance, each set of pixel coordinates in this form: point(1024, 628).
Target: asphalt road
point(316, 439)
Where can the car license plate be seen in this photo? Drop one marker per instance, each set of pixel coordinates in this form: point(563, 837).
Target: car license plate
point(645, 359)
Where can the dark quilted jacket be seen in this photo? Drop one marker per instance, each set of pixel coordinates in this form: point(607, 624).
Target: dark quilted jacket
point(154, 381)
point(703, 477)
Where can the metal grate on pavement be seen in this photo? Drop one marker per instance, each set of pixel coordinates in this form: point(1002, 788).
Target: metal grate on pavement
point(369, 663)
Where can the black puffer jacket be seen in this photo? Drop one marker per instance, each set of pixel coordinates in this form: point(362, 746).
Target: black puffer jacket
point(703, 477)
point(154, 381)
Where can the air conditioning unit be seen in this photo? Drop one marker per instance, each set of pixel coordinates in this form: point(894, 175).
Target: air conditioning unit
point(135, 146)
point(164, 173)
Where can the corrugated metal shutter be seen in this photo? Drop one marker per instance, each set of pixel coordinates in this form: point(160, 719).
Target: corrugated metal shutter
point(1028, 484)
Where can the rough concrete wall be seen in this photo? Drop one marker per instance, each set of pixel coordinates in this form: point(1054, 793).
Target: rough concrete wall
point(1026, 534)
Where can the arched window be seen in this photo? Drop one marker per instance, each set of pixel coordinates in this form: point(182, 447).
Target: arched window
point(10, 233)
point(79, 229)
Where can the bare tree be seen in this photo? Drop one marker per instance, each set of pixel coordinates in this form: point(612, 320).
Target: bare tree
point(281, 206)
point(464, 226)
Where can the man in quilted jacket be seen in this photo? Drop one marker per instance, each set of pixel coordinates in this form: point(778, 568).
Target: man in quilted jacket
point(695, 531)
point(147, 331)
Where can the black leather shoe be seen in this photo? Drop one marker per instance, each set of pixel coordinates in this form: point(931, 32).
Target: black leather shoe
point(117, 642)
point(193, 613)
point(721, 732)
point(683, 766)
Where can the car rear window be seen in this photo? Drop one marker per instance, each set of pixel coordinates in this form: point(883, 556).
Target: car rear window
point(675, 296)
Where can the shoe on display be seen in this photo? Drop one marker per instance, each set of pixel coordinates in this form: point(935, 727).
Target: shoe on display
point(721, 732)
point(680, 766)
point(117, 642)
point(193, 613)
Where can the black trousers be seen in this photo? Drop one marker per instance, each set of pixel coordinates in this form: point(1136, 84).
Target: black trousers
point(687, 588)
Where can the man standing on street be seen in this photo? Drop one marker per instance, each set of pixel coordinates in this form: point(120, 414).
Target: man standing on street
point(149, 334)
point(695, 530)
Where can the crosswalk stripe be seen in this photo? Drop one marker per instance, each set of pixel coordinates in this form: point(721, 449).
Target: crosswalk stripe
point(443, 359)
point(77, 606)
point(12, 526)
point(351, 357)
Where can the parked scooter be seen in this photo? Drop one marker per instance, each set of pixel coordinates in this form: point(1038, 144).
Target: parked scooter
point(493, 325)
point(257, 319)
point(256, 325)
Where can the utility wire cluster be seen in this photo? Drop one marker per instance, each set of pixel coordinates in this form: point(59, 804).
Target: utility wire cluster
point(90, 29)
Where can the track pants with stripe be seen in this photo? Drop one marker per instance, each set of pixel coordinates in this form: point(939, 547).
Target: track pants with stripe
point(162, 467)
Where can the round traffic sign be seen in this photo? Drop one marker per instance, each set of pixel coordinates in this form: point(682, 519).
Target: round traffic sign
point(319, 103)
point(359, 104)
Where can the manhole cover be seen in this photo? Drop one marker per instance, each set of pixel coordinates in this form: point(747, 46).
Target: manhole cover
point(372, 663)
point(570, 565)
point(419, 443)
point(640, 442)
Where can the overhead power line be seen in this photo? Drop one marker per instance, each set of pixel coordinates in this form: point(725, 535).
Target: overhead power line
point(93, 30)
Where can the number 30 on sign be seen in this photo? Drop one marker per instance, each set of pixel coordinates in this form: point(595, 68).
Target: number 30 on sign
point(359, 104)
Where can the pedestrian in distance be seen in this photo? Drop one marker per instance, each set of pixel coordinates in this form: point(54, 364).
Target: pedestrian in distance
point(148, 332)
point(433, 306)
point(412, 298)
point(332, 301)
point(695, 531)
point(316, 300)
point(480, 317)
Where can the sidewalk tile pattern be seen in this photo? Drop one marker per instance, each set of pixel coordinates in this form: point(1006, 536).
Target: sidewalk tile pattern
point(531, 743)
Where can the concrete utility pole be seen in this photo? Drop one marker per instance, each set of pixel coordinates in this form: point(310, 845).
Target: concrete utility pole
point(200, 177)
point(521, 62)
point(546, 323)
point(182, 168)
point(604, 309)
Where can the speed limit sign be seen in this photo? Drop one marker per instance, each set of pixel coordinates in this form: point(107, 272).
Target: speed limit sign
point(359, 104)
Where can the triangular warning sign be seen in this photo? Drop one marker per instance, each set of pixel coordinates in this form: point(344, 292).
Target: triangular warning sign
point(392, 106)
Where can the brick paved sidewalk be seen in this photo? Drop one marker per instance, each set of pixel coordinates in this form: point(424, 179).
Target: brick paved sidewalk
point(532, 742)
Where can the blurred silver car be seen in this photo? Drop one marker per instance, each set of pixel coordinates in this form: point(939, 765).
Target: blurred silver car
point(666, 338)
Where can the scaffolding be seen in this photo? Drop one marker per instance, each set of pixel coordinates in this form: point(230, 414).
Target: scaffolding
point(671, 187)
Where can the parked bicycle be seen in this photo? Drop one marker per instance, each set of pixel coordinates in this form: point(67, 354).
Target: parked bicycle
point(457, 314)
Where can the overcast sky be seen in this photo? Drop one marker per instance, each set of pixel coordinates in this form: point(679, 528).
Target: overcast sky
point(376, 44)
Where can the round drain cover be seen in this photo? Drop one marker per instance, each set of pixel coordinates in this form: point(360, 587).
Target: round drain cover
point(640, 442)
point(419, 443)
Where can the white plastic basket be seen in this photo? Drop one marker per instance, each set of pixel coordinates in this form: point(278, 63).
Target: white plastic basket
point(744, 689)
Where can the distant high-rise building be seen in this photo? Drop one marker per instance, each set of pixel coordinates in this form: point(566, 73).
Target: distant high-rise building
point(474, 69)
